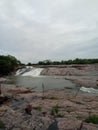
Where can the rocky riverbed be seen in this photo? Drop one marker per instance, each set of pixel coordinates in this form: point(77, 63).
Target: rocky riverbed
point(57, 109)
point(83, 75)
point(71, 70)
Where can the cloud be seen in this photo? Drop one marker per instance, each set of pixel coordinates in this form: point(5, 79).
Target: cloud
point(58, 30)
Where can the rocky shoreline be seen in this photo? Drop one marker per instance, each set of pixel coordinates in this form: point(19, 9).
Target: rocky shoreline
point(71, 70)
point(83, 75)
point(57, 109)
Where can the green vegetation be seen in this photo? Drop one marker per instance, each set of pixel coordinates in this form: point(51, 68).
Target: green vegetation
point(39, 108)
point(60, 115)
point(8, 64)
point(92, 119)
point(68, 62)
point(54, 110)
point(2, 125)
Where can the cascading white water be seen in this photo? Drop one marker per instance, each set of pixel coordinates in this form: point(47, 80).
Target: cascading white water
point(89, 90)
point(34, 72)
point(29, 71)
point(20, 71)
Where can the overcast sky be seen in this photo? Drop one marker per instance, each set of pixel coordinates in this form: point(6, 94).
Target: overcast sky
point(34, 30)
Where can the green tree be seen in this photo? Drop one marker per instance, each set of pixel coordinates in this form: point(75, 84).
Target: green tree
point(8, 64)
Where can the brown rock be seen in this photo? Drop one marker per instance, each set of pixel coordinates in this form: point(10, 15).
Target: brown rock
point(0, 89)
point(3, 99)
point(28, 109)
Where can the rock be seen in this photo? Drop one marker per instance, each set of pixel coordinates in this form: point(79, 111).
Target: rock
point(69, 124)
point(89, 126)
point(28, 109)
point(19, 91)
point(18, 114)
point(15, 120)
point(54, 125)
point(3, 99)
point(0, 89)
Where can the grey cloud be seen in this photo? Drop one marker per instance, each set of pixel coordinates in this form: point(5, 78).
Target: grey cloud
point(37, 30)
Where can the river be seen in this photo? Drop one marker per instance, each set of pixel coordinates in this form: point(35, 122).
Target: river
point(49, 82)
point(30, 77)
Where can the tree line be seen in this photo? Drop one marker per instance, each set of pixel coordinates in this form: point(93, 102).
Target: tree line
point(8, 64)
point(68, 62)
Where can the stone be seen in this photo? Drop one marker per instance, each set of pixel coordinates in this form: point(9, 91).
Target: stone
point(28, 109)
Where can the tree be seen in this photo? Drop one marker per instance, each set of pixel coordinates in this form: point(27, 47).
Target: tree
point(29, 64)
point(68, 62)
point(8, 64)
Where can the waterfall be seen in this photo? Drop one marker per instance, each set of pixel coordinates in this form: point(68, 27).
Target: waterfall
point(29, 71)
point(33, 72)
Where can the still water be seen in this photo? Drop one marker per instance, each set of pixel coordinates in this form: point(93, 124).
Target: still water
point(30, 77)
point(50, 82)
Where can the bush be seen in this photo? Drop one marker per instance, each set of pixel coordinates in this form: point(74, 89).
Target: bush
point(92, 119)
point(39, 108)
point(60, 115)
point(8, 64)
point(54, 110)
point(2, 125)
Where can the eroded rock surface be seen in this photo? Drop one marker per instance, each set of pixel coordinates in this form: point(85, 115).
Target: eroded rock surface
point(71, 70)
point(72, 110)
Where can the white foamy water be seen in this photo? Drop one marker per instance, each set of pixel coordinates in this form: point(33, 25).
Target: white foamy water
point(20, 71)
point(34, 72)
point(29, 71)
point(89, 90)
point(23, 70)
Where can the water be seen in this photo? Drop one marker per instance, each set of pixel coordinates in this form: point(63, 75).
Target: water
point(29, 71)
point(89, 90)
point(34, 72)
point(50, 82)
point(30, 77)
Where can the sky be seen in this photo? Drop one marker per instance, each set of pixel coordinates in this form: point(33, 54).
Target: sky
point(36, 30)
